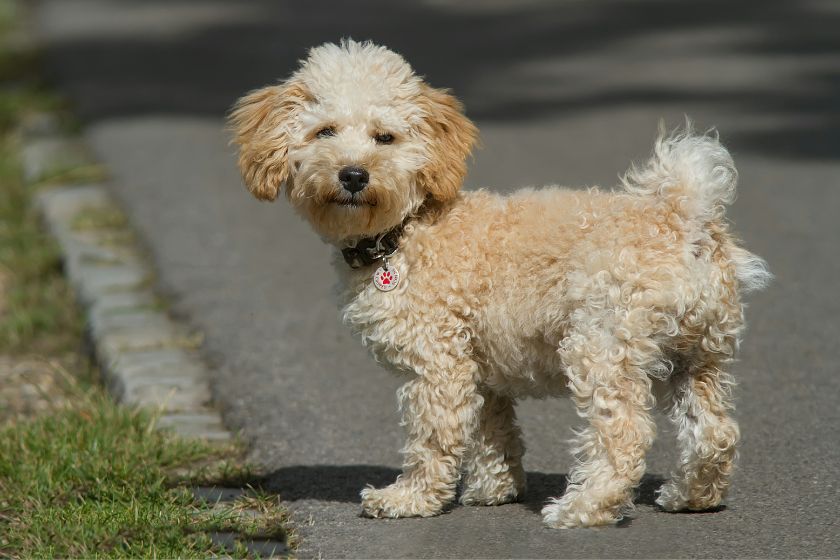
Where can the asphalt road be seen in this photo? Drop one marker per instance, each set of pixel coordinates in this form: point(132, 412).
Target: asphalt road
point(563, 92)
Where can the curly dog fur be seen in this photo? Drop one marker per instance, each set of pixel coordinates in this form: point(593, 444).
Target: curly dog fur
point(622, 300)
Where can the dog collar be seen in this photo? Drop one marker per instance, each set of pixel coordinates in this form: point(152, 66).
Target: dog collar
point(369, 250)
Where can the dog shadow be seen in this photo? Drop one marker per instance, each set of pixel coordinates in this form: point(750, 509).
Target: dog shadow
point(326, 483)
point(342, 483)
point(543, 486)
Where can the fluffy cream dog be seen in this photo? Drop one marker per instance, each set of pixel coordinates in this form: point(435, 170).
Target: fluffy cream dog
point(621, 300)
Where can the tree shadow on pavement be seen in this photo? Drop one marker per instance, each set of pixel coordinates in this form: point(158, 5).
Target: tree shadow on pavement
point(506, 61)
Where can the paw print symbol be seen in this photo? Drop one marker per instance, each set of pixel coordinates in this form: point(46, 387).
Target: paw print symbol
point(386, 279)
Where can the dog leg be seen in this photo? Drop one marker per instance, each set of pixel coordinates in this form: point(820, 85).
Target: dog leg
point(707, 437)
point(493, 468)
point(609, 384)
point(441, 412)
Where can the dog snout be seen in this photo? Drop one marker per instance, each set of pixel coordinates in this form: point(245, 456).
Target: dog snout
point(353, 178)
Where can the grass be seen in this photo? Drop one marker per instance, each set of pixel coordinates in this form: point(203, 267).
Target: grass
point(98, 218)
point(39, 313)
point(82, 476)
point(91, 481)
point(95, 480)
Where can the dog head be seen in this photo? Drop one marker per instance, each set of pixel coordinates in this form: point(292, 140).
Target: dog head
point(358, 140)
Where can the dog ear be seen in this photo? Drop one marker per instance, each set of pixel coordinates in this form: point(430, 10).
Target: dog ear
point(451, 137)
point(260, 122)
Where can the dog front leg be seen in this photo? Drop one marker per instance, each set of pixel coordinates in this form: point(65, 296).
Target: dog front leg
point(441, 411)
point(493, 472)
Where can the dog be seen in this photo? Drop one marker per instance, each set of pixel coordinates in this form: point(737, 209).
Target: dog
point(621, 300)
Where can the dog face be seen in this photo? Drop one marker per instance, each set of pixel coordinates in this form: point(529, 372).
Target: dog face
point(357, 138)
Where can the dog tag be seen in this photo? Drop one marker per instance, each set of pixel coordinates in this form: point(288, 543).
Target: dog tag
point(386, 278)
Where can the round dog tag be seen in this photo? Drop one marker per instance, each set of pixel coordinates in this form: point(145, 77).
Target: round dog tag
point(386, 278)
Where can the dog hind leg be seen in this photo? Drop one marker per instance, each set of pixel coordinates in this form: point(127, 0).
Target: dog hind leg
point(707, 437)
point(609, 384)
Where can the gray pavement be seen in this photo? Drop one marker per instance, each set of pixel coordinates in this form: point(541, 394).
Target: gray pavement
point(564, 92)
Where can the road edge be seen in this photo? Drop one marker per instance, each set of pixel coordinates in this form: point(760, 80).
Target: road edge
point(147, 359)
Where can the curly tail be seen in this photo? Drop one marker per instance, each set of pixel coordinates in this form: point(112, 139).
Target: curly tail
point(696, 175)
point(692, 171)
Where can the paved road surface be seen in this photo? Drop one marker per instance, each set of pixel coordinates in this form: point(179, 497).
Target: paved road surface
point(564, 92)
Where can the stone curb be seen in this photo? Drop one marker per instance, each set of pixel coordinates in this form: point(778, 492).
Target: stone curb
point(145, 357)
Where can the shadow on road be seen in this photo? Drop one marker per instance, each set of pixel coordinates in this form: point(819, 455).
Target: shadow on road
point(497, 57)
point(342, 483)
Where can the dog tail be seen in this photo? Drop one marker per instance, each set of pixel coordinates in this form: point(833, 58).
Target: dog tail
point(693, 172)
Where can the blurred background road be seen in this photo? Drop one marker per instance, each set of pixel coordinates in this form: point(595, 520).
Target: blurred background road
point(564, 92)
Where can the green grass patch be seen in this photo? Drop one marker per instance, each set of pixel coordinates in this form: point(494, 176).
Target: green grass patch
point(37, 311)
point(93, 480)
point(99, 217)
point(90, 173)
point(19, 99)
point(39, 314)
point(255, 515)
point(8, 15)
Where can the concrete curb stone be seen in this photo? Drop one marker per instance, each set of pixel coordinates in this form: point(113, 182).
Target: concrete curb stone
point(44, 156)
point(146, 358)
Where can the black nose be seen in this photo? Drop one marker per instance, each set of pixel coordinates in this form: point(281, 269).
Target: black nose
point(353, 179)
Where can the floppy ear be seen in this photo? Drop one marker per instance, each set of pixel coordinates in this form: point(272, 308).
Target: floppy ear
point(260, 122)
point(450, 136)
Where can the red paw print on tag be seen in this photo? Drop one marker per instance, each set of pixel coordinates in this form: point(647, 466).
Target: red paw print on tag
point(386, 279)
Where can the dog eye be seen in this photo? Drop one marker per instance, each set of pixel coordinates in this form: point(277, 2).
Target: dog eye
point(384, 138)
point(325, 132)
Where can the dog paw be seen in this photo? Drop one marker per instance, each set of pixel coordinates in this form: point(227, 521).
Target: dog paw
point(675, 497)
point(568, 513)
point(492, 492)
point(398, 500)
point(480, 498)
point(670, 497)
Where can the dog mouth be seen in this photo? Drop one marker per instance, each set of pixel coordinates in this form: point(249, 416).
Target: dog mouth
point(351, 202)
